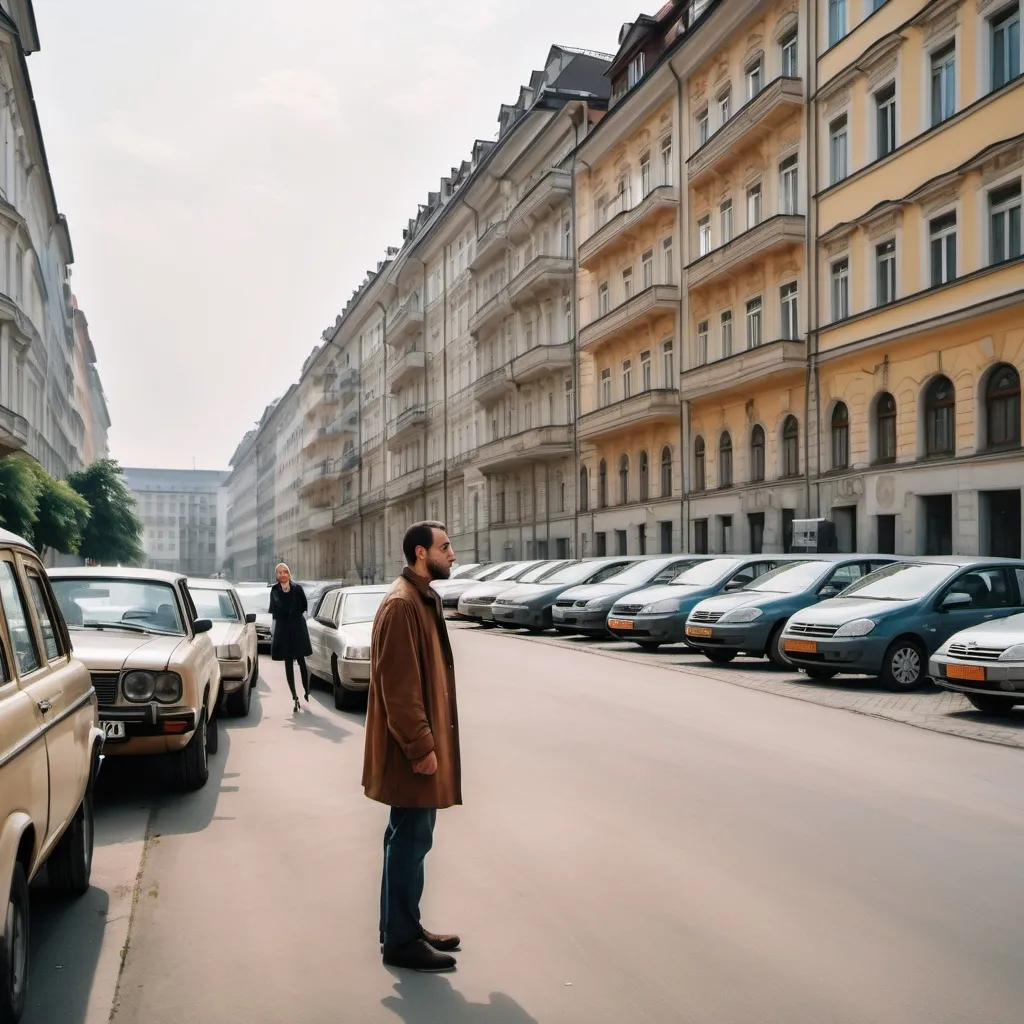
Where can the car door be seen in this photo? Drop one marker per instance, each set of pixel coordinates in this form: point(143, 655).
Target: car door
point(670, 572)
point(249, 652)
point(840, 578)
point(319, 629)
point(994, 595)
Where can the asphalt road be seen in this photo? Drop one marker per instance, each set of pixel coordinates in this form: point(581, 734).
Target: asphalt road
point(637, 845)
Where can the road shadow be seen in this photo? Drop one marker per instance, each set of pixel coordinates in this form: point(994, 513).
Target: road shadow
point(255, 716)
point(1014, 720)
point(430, 999)
point(857, 684)
point(318, 717)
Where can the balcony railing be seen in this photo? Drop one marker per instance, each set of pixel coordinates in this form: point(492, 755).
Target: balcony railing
point(640, 409)
point(781, 232)
point(537, 278)
point(544, 196)
point(626, 223)
point(761, 363)
point(540, 361)
point(490, 244)
point(13, 431)
point(652, 303)
point(322, 472)
point(406, 424)
point(407, 321)
point(538, 445)
point(317, 522)
point(407, 365)
point(350, 461)
point(494, 309)
point(402, 485)
point(493, 386)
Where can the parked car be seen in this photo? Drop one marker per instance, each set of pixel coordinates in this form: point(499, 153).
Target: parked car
point(339, 633)
point(452, 589)
point(528, 605)
point(985, 663)
point(464, 568)
point(50, 751)
point(256, 601)
point(152, 663)
point(315, 589)
point(234, 640)
point(476, 603)
point(657, 615)
point(889, 623)
point(750, 621)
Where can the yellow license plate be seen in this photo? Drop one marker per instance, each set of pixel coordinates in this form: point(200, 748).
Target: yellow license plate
point(973, 672)
point(802, 646)
point(620, 623)
point(699, 631)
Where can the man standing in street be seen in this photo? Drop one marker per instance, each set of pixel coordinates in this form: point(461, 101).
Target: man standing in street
point(411, 761)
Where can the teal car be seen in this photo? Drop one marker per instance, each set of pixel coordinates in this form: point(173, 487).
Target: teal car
point(890, 622)
point(750, 621)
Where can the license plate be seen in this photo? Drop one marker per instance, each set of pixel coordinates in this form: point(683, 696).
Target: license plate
point(620, 623)
point(114, 730)
point(802, 646)
point(699, 631)
point(973, 672)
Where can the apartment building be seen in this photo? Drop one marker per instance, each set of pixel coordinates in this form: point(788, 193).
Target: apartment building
point(241, 560)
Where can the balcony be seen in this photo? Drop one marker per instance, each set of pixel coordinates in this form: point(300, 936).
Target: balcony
point(348, 380)
point(640, 410)
point(320, 473)
point(406, 322)
point(739, 371)
point(550, 192)
point(369, 443)
point(344, 426)
point(458, 463)
point(349, 461)
point(347, 511)
point(642, 309)
point(757, 118)
point(495, 309)
point(328, 399)
point(405, 484)
point(536, 445)
point(13, 431)
point(627, 223)
point(540, 361)
point(316, 523)
point(538, 278)
point(406, 425)
point(781, 232)
point(374, 501)
point(490, 245)
point(493, 386)
point(407, 365)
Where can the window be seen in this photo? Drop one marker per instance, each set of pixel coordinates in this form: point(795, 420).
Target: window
point(668, 364)
point(627, 379)
point(789, 56)
point(788, 195)
point(666, 472)
point(791, 447)
point(704, 235)
point(19, 626)
point(622, 201)
point(754, 323)
point(1002, 407)
point(726, 333)
point(669, 261)
point(725, 219)
point(885, 119)
point(606, 387)
point(645, 477)
point(885, 279)
point(700, 536)
point(699, 474)
point(636, 70)
point(757, 454)
point(836, 21)
point(665, 528)
point(602, 485)
point(702, 342)
point(1004, 222)
point(627, 284)
point(837, 150)
point(885, 425)
point(943, 83)
point(645, 175)
point(570, 402)
point(621, 542)
point(584, 489)
point(943, 248)
point(840, 436)
point(753, 206)
point(600, 544)
point(568, 319)
point(841, 289)
point(666, 161)
point(529, 416)
point(724, 108)
point(790, 317)
point(725, 460)
point(603, 299)
point(647, 268)
point(44, 613)
point(645, 370)
point(623, 479)
point(567, 239)
point(940, 418)
point(703, 131)
point(1006, 46)
point(755, 79)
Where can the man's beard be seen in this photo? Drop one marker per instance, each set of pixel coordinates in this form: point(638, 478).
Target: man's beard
point(438, 571)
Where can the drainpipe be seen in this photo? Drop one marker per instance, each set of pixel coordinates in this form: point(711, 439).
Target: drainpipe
point(384, 432)
point(444, 372)
point(577, 550)
point(476, 524)
point(811, 261)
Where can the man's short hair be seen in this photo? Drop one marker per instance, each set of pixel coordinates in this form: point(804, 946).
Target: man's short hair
point(419, 535)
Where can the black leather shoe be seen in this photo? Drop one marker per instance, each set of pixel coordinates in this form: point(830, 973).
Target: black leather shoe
point(443, 943)
point(418, 956)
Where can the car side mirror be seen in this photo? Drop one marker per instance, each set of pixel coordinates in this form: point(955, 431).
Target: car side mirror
point(735, 585)
point(830, 590)
point(250, 618)
point(955, 601)
point(202, 626)
point(324, 621)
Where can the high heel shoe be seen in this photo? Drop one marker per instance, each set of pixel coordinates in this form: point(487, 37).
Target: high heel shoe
point(296, 708)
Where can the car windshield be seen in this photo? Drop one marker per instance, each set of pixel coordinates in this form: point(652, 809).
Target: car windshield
point(255, 602)
point(901, 581)
point(514, 572)
point(542, 572)
point(791, 578)
point(642, 572)
point(575, 573)
point(469, 571)
point(137, 605)
point(214, 604)
point(703, 574)
point(492, 571)
point(361, 607)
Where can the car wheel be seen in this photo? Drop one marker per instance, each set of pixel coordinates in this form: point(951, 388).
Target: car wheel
point(70, 864)
point(775, 650)
point(238, 703)
point(991, 705)
point(719, 657)
point(649, 645)
point(212, 736)
point(14, 949)
point(344, 698)
point(904, 666)
point(192, 765)
point(820, 675)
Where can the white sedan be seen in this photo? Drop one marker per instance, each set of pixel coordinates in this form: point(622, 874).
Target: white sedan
point(339, 633)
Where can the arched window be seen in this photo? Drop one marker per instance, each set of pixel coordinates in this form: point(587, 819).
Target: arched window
point(885, 426)
point(1002, 407)
point(584, 489)
point(666, 472)
point(725, 460)
point(700, 479)
point(940, 417)
point(791, 447)
point(623, 479)
point(757, 453)
point(645, 477)
point(840, 436)
point(602, 485)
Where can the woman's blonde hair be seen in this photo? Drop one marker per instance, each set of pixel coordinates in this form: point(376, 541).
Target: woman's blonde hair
point(282, 565)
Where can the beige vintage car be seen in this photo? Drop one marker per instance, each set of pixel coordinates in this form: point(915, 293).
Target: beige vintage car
point(50, 751)
point(234, 640)
point(152, 663)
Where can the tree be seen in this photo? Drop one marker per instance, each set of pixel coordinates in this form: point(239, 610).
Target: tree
point(62, 515)
point(114, 531)
point(19, 491)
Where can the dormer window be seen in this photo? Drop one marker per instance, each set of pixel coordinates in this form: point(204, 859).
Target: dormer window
point(636, 70)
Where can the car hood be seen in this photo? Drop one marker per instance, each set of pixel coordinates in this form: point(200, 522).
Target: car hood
point(668, 590)
point(728, 602)
point(106, 651)
point(1006, 632)
point(486, 591)
point(529, 593)
point(598, 592)
point(227, 633)
point(448, 588)
point(837, 610)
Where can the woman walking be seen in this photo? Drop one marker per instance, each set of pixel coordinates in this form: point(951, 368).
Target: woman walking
point(290, 642)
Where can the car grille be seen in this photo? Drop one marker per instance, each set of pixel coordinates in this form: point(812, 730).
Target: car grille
point(628, 609)
point(976, 653)
point(262, 633)
point(105, 684)
point(811, 629)
point(705, 616)
point(564, 602)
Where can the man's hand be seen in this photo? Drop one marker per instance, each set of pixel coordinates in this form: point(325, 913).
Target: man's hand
point(426, 766)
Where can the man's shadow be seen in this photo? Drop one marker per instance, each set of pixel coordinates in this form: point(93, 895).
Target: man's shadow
point(430, 999)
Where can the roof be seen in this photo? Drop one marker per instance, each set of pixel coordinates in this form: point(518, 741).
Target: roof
point(6, 537)
point(207, 584)
point(115, 572)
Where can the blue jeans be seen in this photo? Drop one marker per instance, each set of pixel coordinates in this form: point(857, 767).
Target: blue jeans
point(407, 841)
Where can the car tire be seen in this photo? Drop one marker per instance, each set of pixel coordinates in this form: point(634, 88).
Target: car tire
point(70, 865)
point(344, 698)
point(992, 705)
point(649, 645)
point(14, 949)
point(192, 765)
point(776, 655)
point(239, 702)
point(719, 657)
point(905, 666)
point(212, 735)
point(821, 675)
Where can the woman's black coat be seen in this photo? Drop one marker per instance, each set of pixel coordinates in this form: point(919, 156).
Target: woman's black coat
point(291, 638)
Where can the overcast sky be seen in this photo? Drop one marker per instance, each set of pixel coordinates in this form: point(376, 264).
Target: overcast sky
point(231, 168)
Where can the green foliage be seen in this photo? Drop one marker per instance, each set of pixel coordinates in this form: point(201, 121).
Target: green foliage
point(62, 515)
point(19, 495)
point(113, 532)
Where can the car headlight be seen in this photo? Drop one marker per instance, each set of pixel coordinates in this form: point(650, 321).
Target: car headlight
point(669, 605)
point(1013, 653)
point(168, 688)
point(357, 654)
point(593, 605)
point(859, 627)
point(229, 652)
point(143, 687)
point(742, 615)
